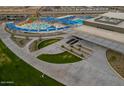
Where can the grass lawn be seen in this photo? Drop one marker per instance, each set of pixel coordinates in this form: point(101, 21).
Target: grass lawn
point(38, 44)
point(116, 60)
point(60, 58)
point(14, 71)
point(47, 42)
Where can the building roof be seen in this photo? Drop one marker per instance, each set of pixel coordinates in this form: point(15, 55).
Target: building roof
point(110, 35)
point(18, 10)
point(110, 15)
point(114, 15)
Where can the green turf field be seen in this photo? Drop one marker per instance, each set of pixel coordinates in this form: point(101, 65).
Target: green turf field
point(14, 71)
point(47, 42)
point(60, 58)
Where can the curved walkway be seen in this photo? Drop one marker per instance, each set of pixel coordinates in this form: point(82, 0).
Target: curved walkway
point(92, 71)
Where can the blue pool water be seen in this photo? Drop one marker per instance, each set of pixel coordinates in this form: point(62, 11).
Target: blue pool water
point(36, 26)
point(44, 27)
point(79, 21)
point(12, 26)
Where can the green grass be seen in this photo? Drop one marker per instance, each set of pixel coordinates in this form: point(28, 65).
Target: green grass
point(47, 42)
point(38, 44)
point(60, 58)
point(14, 71)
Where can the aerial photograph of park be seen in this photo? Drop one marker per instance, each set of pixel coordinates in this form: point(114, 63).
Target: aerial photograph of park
point(61, 45)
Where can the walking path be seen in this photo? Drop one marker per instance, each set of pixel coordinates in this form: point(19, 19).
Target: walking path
point(92, 71)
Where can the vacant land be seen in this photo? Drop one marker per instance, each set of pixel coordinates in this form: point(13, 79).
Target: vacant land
point(116, 60)
point(61, 58)
point(14, 71)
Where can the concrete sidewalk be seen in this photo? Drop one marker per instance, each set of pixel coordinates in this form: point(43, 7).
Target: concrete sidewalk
point(92, 71)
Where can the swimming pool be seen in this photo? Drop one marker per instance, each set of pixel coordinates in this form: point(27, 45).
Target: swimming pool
point(79, 21)
point(44, 26)
point(35, 26)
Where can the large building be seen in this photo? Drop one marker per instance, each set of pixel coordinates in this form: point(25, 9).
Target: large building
point(106, 30)
point(110, 21)
point(72, 10)
point(19, 10)
point(17, 13)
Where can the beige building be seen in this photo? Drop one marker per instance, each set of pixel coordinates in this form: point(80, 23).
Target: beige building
point(17, 13)
point(109, 21)
point(18, 10)
point(71, 10)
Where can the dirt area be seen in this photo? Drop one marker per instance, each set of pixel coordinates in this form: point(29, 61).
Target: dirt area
point(33, 46)
point(116, 60)
point(21, 42)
